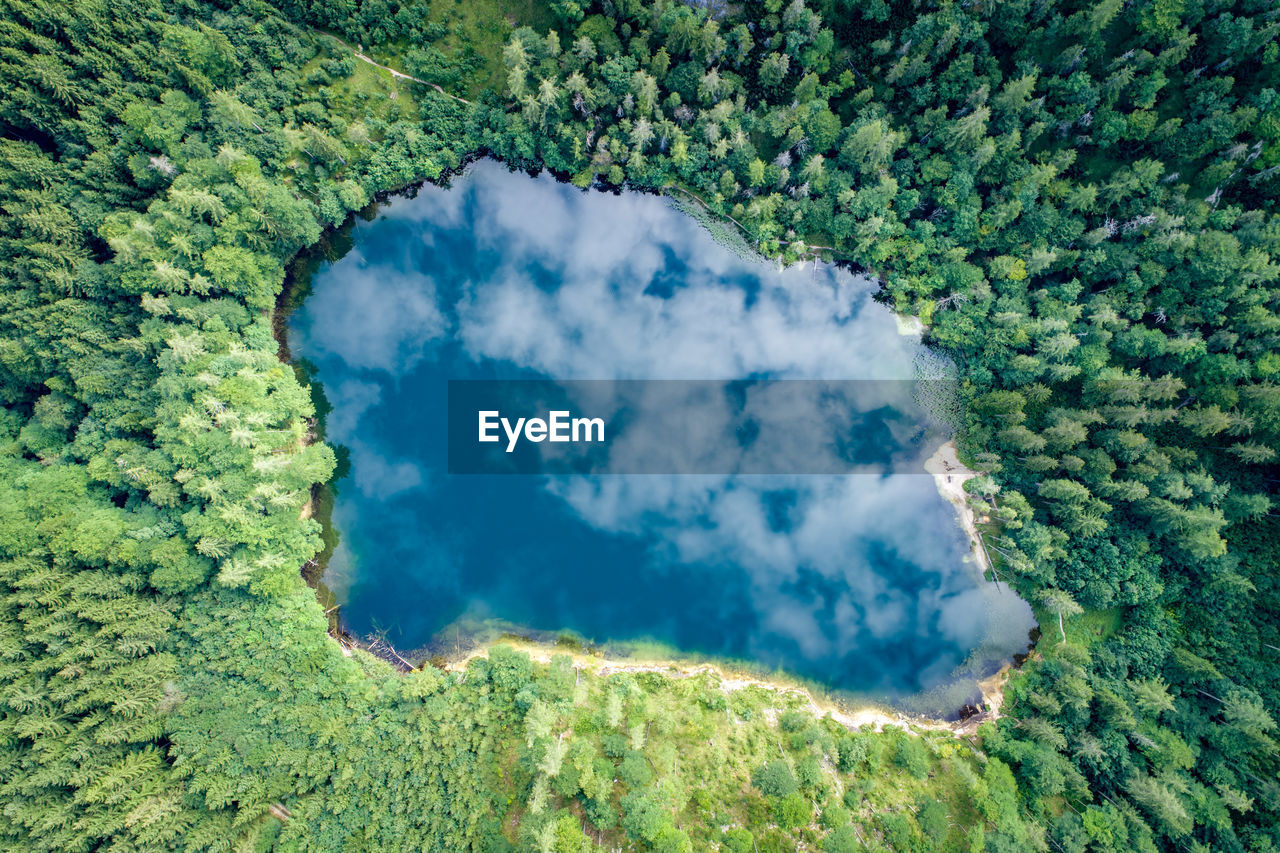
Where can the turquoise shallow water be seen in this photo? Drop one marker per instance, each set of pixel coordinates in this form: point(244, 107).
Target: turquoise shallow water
point(860, 582)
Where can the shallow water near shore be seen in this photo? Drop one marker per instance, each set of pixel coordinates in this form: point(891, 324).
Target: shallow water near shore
point(863, 583)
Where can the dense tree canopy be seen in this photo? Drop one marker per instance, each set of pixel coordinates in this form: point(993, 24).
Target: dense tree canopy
point(1077, 199)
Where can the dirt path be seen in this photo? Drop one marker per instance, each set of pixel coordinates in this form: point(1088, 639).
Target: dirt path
point(394, 73)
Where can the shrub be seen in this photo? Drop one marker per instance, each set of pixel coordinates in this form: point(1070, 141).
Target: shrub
point(775, 779)
point(793, 810)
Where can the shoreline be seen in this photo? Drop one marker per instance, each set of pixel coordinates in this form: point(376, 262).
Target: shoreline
point(948, 472)
point(852, 718)
point(950, 475)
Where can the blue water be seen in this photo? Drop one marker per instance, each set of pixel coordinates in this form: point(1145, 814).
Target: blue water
point(861, 582)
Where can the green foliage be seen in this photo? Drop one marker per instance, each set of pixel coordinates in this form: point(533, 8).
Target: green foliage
point(912, 757)
point(775, 779)
point(1078, 202)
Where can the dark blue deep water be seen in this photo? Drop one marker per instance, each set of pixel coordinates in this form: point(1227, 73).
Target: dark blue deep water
point(861, 582)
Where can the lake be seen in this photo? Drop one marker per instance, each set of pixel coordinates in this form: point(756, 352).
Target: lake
point(860, 581)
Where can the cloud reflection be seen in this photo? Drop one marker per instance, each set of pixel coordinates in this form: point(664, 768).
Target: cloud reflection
point(374, 473)
point(504, 276)
point(379, 319)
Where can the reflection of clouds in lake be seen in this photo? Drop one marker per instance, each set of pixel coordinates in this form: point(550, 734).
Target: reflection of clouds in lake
point(620, 305)
point(379, 318)
point(603, 319)
point(374, 473)
point(605, 325)
point(379, 477)
point(819, 576)
point(754, 427)
point(350, 399)
point(608, 318)
point(530, 275)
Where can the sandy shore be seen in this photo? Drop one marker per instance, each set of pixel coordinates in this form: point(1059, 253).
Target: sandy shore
point(877, 717)
point(950, 475)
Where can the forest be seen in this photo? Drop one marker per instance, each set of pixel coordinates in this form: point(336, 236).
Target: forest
point(1077, 199)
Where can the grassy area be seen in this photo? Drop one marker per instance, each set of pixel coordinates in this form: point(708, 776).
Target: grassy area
point(471, 36)
point(736, 767)
point(358, 90)
point(1087, 629)
point(484, 26)
point(1094, 626)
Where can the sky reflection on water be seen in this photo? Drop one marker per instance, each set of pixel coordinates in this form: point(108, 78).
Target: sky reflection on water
point(861, 582)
